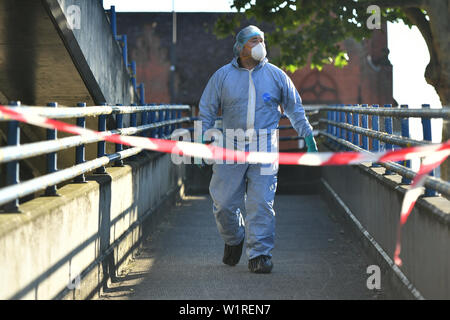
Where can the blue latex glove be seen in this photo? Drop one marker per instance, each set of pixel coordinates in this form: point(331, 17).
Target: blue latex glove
point(311, 143)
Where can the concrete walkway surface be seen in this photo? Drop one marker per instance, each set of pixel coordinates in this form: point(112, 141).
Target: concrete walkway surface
point(315, 257)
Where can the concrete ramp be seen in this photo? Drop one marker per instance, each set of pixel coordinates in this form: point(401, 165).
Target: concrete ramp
point(315, 257)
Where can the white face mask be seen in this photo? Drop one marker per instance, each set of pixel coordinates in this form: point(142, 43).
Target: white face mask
point(259, 52)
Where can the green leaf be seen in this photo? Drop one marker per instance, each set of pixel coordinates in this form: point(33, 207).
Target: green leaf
point(341, 60)
point(311, 31)
point(291, 68)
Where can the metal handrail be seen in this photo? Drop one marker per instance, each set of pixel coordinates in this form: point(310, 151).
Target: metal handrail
point(351, 124)
point(24, 151)
point(349, 131)
point(72, 112)
point(308, 112)
point(385, 137)
point(430, 182)
point(15, 153)
point(443, 113)
point(165, 123)
point(23, 189)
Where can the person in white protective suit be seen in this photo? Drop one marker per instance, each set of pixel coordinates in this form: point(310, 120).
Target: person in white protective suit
point(249, 90)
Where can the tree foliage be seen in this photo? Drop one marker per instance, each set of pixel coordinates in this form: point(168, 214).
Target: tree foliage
point(308, 31)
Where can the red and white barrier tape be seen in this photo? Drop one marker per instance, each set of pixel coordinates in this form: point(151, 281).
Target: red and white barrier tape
point(409, 200)
point(433, 155)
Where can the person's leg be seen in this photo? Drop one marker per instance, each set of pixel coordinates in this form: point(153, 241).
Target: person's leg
point(260, 219)
point(227, 189)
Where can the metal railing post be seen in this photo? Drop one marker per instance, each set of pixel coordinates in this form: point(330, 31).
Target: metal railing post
point(80, 150)
point(173, 116)
point(329, 125)
point(404, 123)
point(160, 118)
point(13, 167)
point(167, 118)
point(375, 127)
point(132, 65)
point(349, 121)
point(150, 120)
point(144, 121)
point(355, 119)
point(330, 116)
point(388, 129)
point(101, 145)
point(119, 147)
point(51, 157)
point(133, 117)
point(334, 129)
point(178, 117)
point(152, 116)
point(365, 120)
point(142, 94)
point(113, 22)
point(342, 120)
point(133, 121)
point(426, 128)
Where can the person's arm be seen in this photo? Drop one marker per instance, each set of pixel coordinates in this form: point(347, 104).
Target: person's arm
point(292, 105)
point(208, 109)
point(209, 103)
